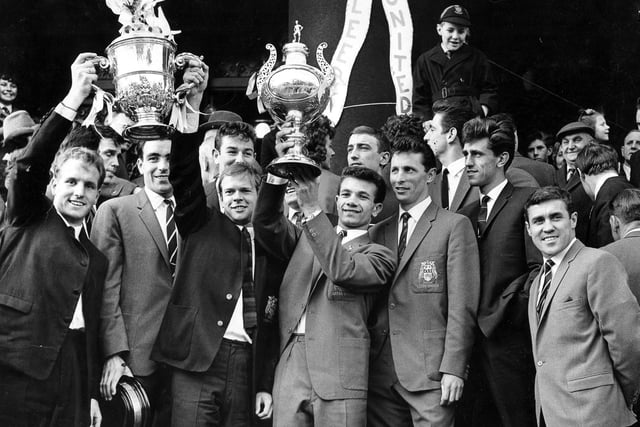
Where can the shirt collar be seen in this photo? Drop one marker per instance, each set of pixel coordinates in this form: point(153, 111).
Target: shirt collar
point(157, 200)
point(76, 228)
point(351, 234)
point(633, 230)
point(557, 258)
point(601, 180)
point(416, 211)
point(456, 166)
point(495, 192)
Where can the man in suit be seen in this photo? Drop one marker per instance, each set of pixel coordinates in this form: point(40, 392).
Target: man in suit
point(630, 145)
point(625, 228)
point(502, 361)
point(137, 234)
point(369, 147)
point(450, 188)
point(573, 138)
point(596, 165)
point(584, 324)
point(218, 333)
point(52, 277)
point(423, 327)
point(325, 297)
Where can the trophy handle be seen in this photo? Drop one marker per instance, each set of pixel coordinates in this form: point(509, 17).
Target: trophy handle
point(266, 68)
point(326, 68)
point(102, 64)
point(182, 59)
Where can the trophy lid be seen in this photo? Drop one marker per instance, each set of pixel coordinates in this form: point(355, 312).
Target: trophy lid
point(295, 52)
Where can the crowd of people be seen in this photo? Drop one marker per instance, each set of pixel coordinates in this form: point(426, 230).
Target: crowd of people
point(446, 277)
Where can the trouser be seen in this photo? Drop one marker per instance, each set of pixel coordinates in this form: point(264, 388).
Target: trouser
point(61, 400)
point(389, 404)
point(218, 397)
point(296, 404)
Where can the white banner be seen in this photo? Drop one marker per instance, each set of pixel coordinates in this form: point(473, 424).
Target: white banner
point(400, 44)
point(356, 25)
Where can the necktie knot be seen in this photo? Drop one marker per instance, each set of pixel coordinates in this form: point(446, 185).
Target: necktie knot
point(548, 265)
point(342, 234)
point(485, 200)
point(169, 203)
point(405, 216)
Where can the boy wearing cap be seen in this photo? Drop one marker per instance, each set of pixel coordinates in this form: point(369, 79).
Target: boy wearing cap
point(454, 70)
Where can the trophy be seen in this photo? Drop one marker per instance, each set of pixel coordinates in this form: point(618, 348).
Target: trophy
point(297, 93)
point(142, 61)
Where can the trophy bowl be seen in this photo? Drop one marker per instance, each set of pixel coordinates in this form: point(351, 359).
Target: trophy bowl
point(296, 93)
point(143, 67)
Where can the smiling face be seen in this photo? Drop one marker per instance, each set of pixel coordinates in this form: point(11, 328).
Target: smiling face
point(355, 203)
point(409, 178)
point(572, 145)
point(233, 149)
point(154, 166)
point(8, 91)
point(551, 227)
point(238, 196)
point(108, 150)
point(453, 36)
point(75, 190)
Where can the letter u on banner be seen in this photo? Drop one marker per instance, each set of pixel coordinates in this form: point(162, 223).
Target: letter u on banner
point(356, 25)
point(400, 45)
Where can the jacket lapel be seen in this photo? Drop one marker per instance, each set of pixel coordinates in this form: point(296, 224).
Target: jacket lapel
point(461, 192)
point(422, 228)
point(500, 203)
point(149, 219)
point(560, 273)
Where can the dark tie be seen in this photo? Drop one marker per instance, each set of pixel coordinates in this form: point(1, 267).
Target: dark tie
point(297, 219)
point(342, 234)
point(545, 286)
point(482, 215)
point(444, 189)
point(403, 234)
point(570, 174)
point(172, 236)
point(88, 220)
point(249, 316)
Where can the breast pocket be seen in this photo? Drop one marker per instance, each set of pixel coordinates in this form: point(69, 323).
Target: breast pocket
point(428, 275)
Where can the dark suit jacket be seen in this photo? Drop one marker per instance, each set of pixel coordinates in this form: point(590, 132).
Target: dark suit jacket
point(465, 194)
point(44, 269)
point(334, 283)
point(634, 162)
point(138, 282)
point(543, 173)
point(586, 342)
point(581, 202)
point(627, 250)
point(521, 178)
point(208, 280)
point(508, 261)
point(432, 304)
point(599, 228)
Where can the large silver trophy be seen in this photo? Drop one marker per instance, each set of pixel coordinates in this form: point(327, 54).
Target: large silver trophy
point(142, 62)
point(297, 93)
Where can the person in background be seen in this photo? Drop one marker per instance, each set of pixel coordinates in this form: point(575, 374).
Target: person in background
point(454, 70)
point(630, 145)
point(209, 130)
point(539, 146)
point(8, 95)
point(595, 119)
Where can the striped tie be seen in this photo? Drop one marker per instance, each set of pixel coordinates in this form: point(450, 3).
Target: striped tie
point(545, 286)
point(172, 237)
point(249, 316)
point(402, 244)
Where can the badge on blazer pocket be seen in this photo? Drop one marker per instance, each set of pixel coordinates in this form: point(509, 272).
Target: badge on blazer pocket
point(429, 277)
point(271, 309)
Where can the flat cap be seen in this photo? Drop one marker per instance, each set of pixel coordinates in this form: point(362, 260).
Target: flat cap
point(573, 128)
point(218, 118)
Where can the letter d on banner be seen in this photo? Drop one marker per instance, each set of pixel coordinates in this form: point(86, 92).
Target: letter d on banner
point(400, 44)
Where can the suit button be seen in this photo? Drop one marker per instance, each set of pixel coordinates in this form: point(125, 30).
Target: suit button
point(539, 363)
point(83, 262)
point(229, 296)
point(392, 306)
point(220, 323)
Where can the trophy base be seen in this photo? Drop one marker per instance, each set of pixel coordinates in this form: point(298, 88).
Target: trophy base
point(291, 165)
point(146, 132)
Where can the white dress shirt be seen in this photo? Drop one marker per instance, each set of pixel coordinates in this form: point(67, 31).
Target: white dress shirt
point(235, 330)
point(415, 214)
point(77, 322)
point(557, 259)
point(160, 209)
point(456, 169)
point(493, 195)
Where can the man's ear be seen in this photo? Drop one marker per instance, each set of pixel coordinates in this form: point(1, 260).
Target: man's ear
point(503, 158)
point(452, 134)
point(431, 175)
point(139, 165)
point(216, 156)
point(385, 156)
point(377, 208)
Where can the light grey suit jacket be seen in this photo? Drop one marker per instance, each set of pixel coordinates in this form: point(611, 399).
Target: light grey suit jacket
point(627, 250)
point(138, 284)
point(586, 345)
